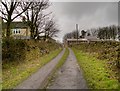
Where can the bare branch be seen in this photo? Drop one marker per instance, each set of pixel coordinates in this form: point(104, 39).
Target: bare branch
point(22, 11)
point(6, 7)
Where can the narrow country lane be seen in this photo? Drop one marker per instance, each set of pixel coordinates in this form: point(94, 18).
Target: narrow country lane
point(37, 80)
point(69, 76)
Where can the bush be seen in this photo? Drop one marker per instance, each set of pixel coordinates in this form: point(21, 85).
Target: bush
point(16, 49)
point(13, 49)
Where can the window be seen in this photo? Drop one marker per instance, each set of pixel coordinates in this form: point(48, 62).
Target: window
point(19, 30)
point(16, 31)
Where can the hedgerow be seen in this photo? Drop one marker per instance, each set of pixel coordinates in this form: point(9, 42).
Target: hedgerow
point(109, 51)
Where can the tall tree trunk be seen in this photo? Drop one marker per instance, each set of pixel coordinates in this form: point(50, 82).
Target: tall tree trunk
point(36, 33)
point(45, 35)
point(32, 32)
point(8, 29)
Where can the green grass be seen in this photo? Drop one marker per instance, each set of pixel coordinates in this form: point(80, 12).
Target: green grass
point(95, 71)
point(1, 82)
point(60, 63)
point(63, 59)
point(14, 74)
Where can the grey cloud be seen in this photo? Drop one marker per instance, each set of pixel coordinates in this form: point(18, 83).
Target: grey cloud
point(78, 9)
point(112, 12)
point(86, 14)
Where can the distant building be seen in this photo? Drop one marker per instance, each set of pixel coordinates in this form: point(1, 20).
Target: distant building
point(90, 37)
point(19, 30)
point(74, 41)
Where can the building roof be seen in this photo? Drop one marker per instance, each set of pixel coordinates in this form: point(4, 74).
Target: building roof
point(87, 38)
point(16, 25)
point(91, 38)
point(76, 39)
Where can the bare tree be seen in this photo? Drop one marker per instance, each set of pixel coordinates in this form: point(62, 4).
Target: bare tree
point(67, 36)
point(92, 32)
point(40, 24)
point(9, 12)
point(51, 29)
point(75, 34)
point(34, 15)
point(109, 32)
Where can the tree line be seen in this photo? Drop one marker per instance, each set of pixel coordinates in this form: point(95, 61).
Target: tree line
point(32, 14)
point(111, 32)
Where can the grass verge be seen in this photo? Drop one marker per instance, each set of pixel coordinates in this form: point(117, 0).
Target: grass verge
point(60, 63)
point(17, 73)
point(95, 71)
point(63, 59)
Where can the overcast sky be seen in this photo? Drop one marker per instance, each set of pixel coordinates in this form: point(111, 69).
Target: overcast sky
point(86, 14)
